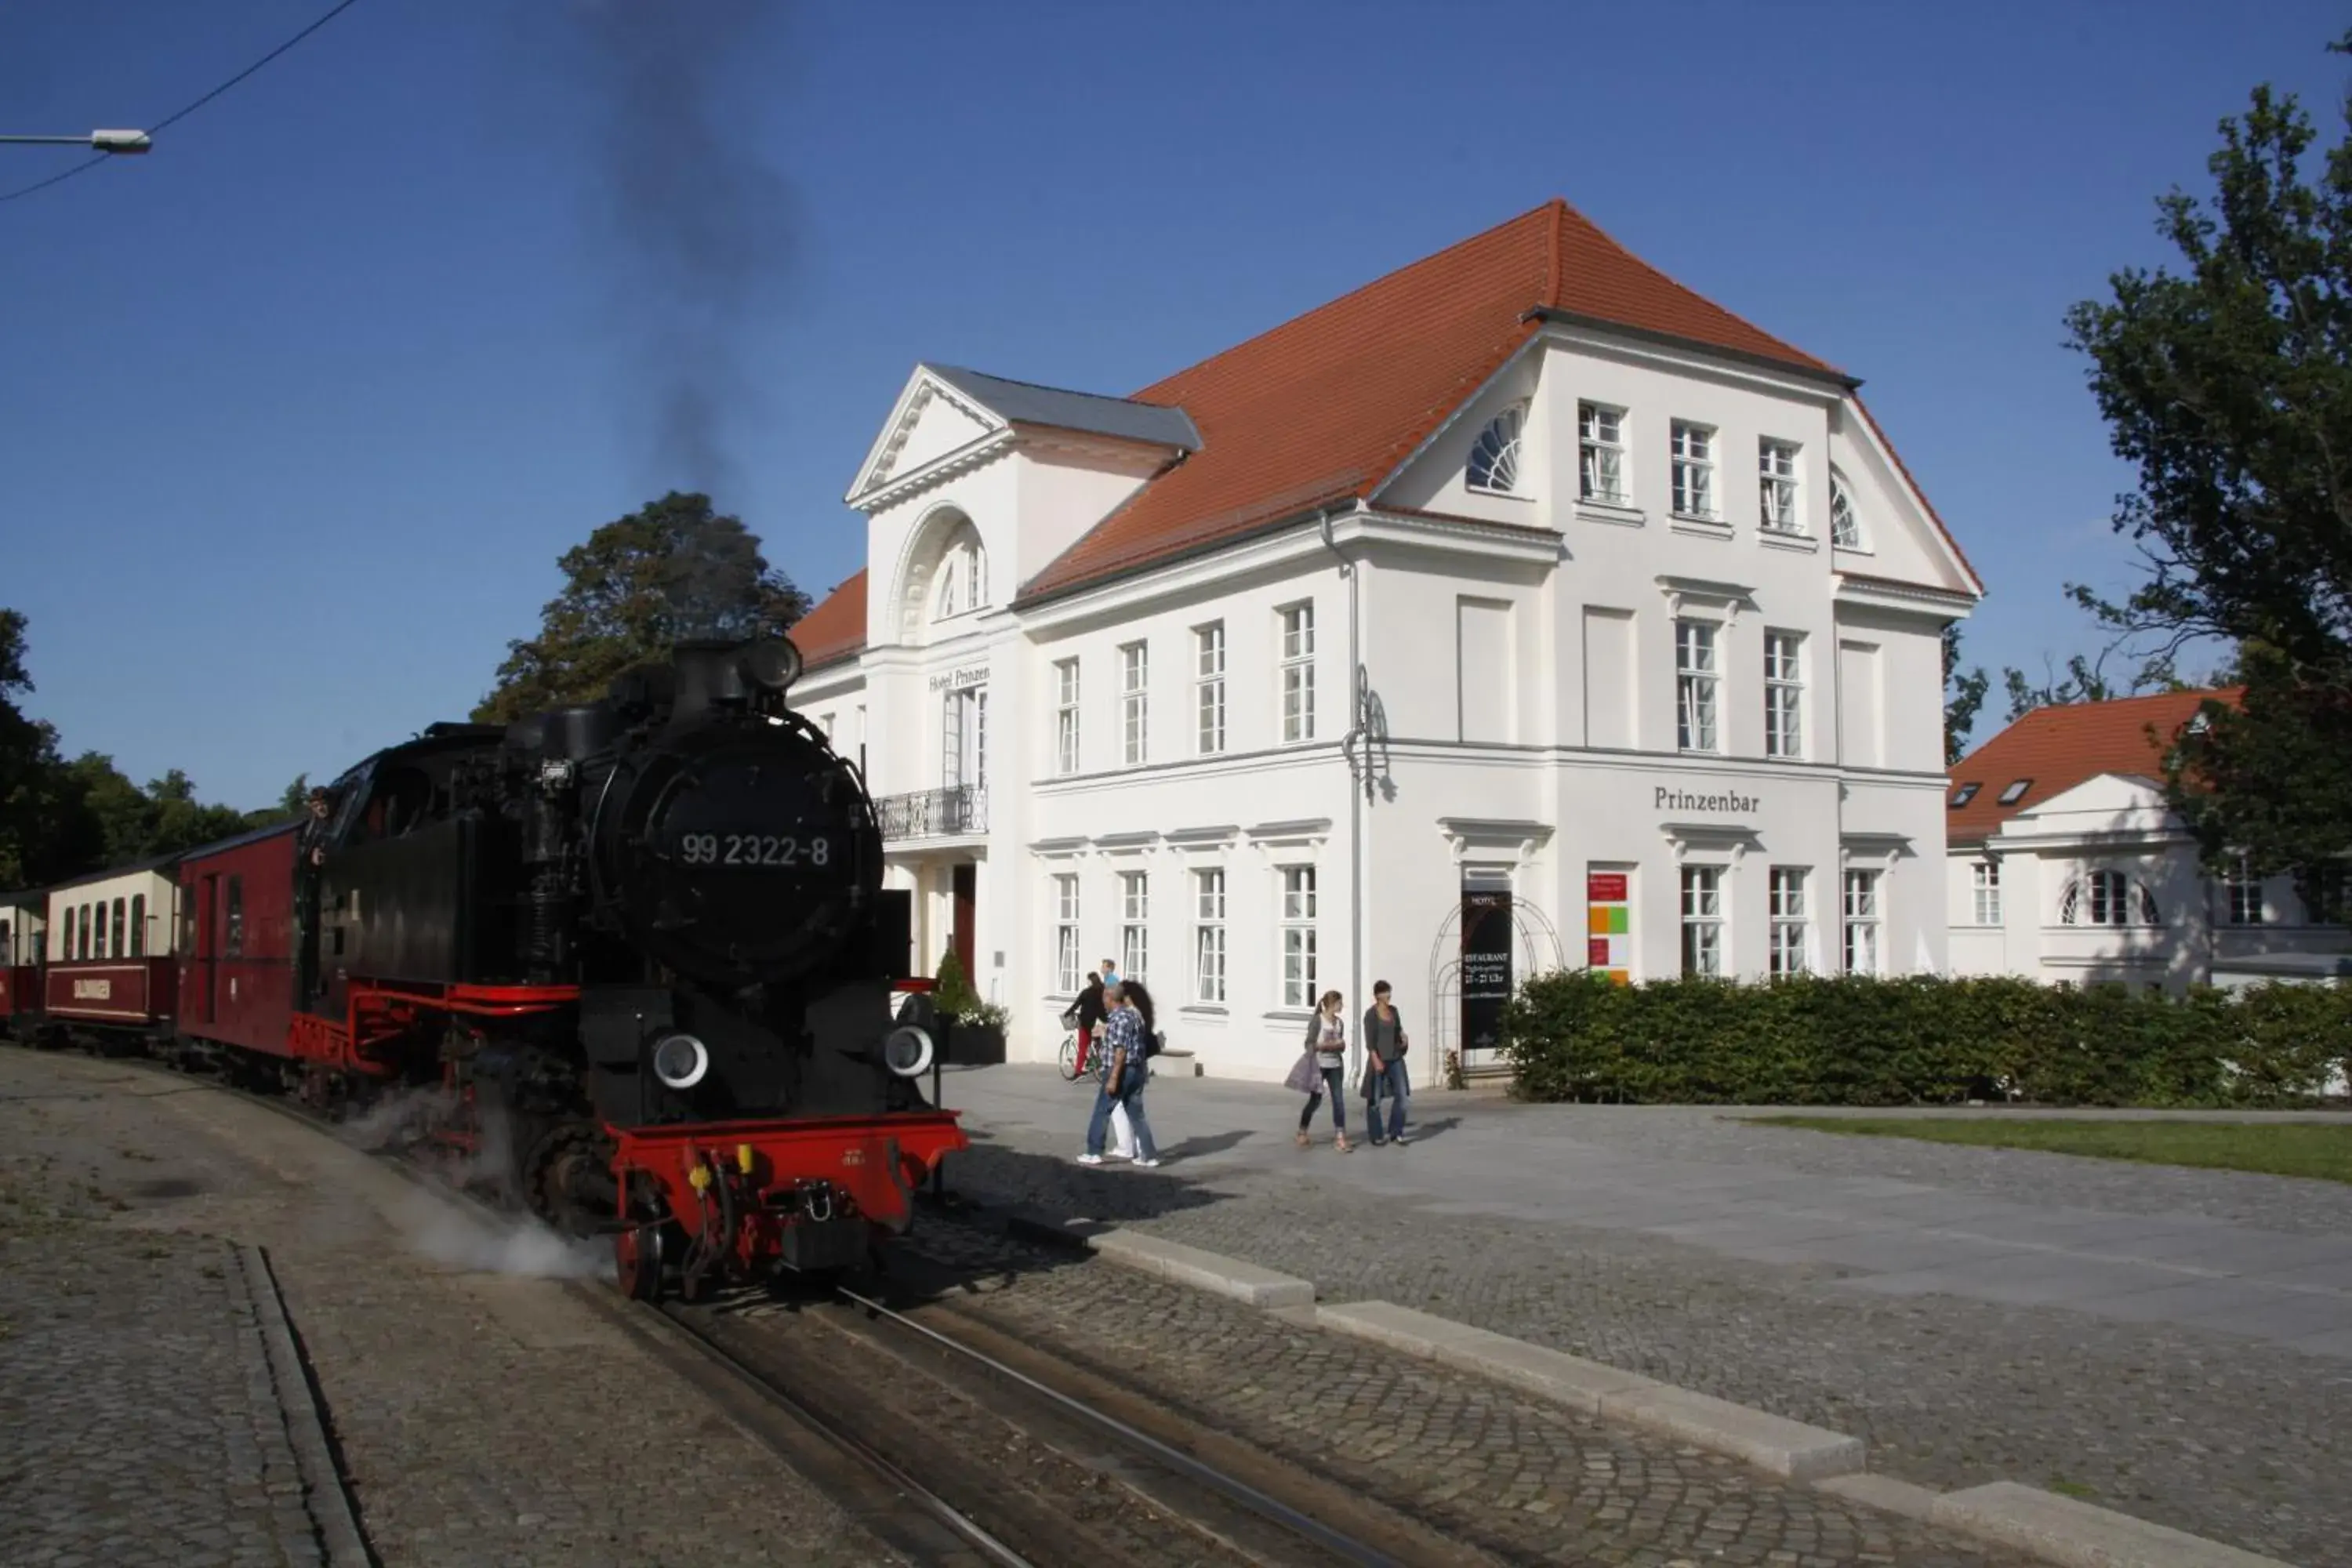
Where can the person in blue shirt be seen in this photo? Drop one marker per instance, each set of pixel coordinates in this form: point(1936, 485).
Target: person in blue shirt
point(1123, 1068)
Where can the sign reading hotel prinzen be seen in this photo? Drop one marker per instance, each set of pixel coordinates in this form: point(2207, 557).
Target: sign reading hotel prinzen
point(956, 680)
point(1683, 800)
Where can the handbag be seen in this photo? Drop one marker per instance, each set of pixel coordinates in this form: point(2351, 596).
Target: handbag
point(1305, 1078)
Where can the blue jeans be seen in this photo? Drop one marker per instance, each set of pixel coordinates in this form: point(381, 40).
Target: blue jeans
point(1334, 1080)
point(1131, 1096)
point(1390, 1080)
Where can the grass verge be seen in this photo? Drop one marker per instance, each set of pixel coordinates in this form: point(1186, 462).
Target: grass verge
point(2317, 1149)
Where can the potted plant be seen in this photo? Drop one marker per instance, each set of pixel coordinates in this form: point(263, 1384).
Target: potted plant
point(975, 1029)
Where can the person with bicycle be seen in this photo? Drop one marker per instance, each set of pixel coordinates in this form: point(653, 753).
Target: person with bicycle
point(1090, 1011)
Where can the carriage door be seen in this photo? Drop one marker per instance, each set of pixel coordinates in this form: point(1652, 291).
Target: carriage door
point(208, 947)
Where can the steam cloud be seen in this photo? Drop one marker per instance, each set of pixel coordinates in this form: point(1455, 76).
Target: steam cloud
point(697, 221)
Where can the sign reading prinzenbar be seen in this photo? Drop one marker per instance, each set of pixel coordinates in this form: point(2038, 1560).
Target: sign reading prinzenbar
point(1683, 800)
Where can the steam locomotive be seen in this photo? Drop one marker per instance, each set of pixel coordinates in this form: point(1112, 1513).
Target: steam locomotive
point(634, 959)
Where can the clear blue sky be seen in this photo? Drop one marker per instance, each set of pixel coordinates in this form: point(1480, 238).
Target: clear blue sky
point(297, 412)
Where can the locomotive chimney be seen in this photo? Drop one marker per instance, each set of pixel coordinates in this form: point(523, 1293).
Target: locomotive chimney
point(709, 678)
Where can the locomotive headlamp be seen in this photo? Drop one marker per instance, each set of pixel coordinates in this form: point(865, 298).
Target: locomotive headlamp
point(772, 662)
point(681, 1060)
point(907, 1051)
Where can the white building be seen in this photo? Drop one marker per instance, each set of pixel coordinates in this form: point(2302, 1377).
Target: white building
point(2067, 865)
point(1522, 571)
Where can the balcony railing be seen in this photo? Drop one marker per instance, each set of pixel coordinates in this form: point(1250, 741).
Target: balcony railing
point(934, 813)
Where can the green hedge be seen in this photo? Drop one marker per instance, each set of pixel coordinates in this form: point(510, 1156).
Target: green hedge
point(1857, 1041)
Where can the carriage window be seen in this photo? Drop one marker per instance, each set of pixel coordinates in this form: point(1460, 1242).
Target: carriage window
point(233, 944)
point(8, 953)
point(119, 946)
point(85, 931)
point(97, 942)
point(138, 925)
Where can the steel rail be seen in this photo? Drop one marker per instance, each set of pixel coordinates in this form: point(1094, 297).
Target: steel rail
point(1257, 1502)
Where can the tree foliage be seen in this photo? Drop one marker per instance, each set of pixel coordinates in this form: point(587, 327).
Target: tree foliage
point(672, 571)
point(2228, 385)
point(1964, 694)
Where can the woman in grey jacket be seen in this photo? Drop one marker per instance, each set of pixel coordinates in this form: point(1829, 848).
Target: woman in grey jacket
point(1385, 1046)
point(1326, 1038)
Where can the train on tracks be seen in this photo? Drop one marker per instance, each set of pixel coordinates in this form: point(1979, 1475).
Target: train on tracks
point(631, 961)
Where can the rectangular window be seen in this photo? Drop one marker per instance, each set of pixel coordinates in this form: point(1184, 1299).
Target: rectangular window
point(1066, 979)
point(1209, 937)
point(233, 944)
point(1600, 444)
point(1209, 687)
point(2326, 892)
point(1695, 675)
point(1299, 673)
point(1702, 920)
point(1862, 922)
point(1135, 701)
point(1134, 924)
point(1789, 933)
point(85, 932)
point(1784, 694)
point(1299, 936)
point(1694, 469)
point(2244, 888)
point(1985, 880)
point(1776, 472)
point(138, 925)
point(1065, 716)
point(121, 943)
point(2109, 893)
point(98, 944)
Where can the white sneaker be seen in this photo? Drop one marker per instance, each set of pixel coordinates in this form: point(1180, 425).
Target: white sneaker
point(1090, 1159)
point(1147, 1164)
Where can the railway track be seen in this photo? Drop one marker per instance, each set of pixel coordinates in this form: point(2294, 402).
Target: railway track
point(955, 1444)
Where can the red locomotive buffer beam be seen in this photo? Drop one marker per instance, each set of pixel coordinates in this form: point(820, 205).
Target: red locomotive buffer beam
point(743, 1198)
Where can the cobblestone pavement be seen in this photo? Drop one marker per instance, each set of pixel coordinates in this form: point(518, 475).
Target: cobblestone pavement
point(2227, 1437)
point(484, 1418)
point(1522, 1479)
point(143, 1423)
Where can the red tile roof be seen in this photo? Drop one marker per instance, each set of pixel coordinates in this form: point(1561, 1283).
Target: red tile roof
point(1322, 409)
point(2060, 747)
point(836, 627)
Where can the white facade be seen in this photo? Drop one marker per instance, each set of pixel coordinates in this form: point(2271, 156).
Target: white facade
point(2101, 883)
point(1258, 771)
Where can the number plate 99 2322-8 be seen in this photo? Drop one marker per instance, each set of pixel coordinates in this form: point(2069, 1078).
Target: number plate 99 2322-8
point(762, 849)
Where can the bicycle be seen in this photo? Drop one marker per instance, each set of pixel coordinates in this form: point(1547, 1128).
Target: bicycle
point(1074, 1057)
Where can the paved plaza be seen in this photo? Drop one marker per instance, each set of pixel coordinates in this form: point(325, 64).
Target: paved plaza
point(2173, 1344)
point(483, 1419)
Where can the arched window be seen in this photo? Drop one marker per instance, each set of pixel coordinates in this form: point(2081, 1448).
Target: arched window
point(1494, 460)
point(1845, 530)
point(2108, 899)
point(962, 579)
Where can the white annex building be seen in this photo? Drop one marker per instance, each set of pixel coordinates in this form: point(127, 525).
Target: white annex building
point(2069, 866)
point(1522, 591)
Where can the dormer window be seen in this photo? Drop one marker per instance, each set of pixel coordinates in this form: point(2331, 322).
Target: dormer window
point(2015, 792)
point(1494, 460)
point(1965, 794)
point(1845, 530)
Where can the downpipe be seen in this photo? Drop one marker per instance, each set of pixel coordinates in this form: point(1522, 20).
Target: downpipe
point(1357, 789)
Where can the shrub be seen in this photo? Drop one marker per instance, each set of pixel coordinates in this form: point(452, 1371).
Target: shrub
point(1853, 1040)
point(951, 992)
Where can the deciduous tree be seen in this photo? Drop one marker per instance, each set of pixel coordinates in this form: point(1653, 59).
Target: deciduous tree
point(2228, 384)
point(672, 571)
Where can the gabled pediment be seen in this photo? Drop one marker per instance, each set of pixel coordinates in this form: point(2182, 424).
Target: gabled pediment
point(948, 416)
point(933, 426)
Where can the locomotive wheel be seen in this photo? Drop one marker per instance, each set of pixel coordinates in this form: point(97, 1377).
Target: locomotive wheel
point(637, 1258)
